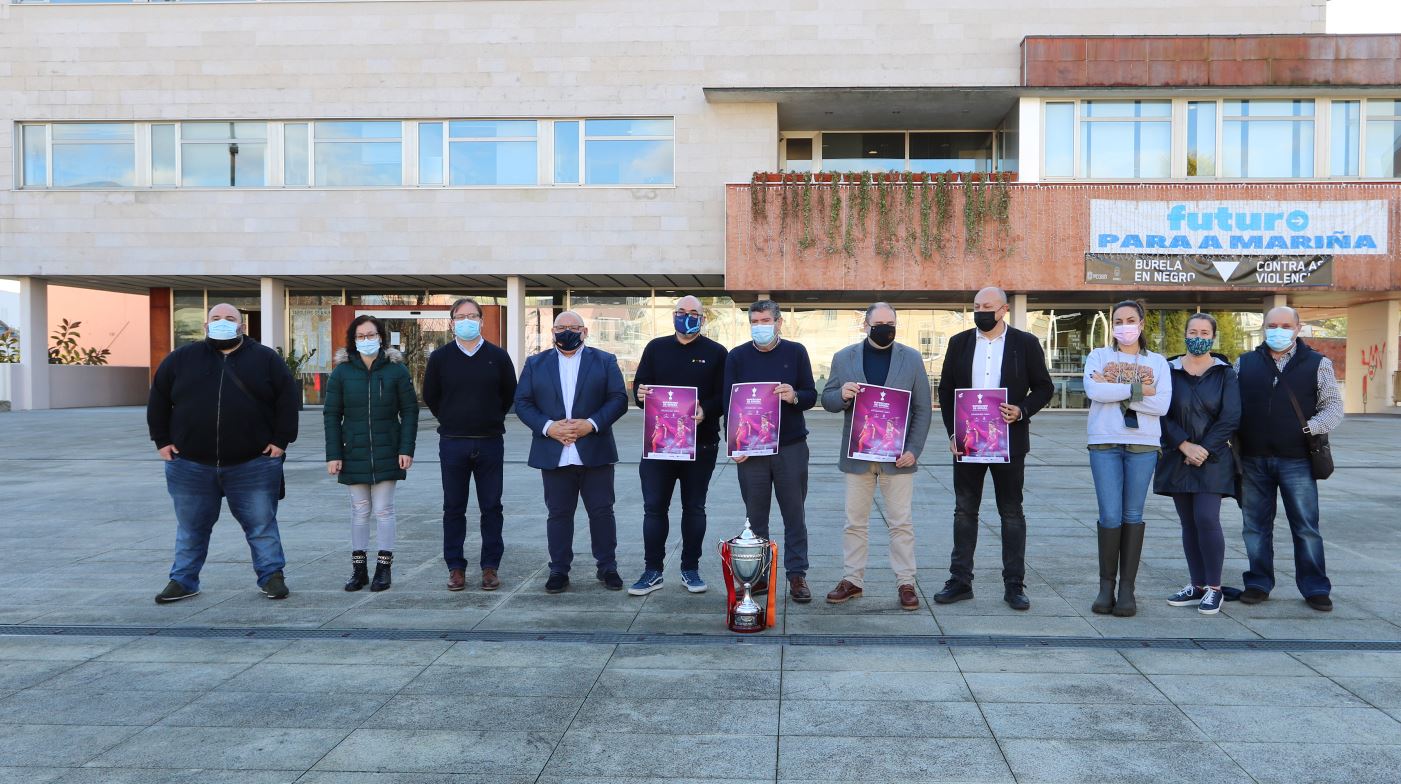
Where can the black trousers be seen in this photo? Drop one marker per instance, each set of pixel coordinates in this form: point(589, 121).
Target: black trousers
point(784, 475)
point(659, 480)
point(1007, 482)
point(563, 489)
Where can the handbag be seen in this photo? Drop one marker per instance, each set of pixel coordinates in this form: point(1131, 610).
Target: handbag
point(1320, 451)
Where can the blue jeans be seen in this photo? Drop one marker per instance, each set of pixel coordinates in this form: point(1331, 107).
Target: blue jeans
point(466, 460)
point(197, 490)
point(1121, 484)
point(1292, 478)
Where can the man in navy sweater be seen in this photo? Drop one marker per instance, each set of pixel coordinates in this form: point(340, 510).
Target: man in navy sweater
point(469, 385)
point(768, 357)
point(683, 359)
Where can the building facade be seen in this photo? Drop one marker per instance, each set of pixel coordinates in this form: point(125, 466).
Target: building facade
point(311, 160)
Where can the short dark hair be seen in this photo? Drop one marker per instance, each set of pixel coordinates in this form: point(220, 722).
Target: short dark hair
point(452, 311)
point(1142, 317)
point(1201, 317)
point(871, 308)
point(766, 306)
point(350, 350)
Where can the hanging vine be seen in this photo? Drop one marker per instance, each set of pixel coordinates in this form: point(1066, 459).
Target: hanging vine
point(926, 208)
point(806, 237)
point(834, 214)
point(943, 209)
point(974, 211)
point(885, 218)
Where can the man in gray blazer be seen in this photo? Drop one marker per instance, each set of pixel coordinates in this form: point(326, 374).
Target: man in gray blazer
point(880, 361)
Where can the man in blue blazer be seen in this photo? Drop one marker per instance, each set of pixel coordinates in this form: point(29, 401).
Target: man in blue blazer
point(569, 398)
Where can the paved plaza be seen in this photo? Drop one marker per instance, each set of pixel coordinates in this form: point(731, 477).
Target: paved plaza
point(99, 684)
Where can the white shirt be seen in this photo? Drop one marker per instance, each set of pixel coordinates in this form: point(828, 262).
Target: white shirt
point(987, 359)
point(472, 351)
point(568, 381)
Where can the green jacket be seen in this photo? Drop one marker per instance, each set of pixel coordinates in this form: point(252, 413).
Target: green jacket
point(371, 417)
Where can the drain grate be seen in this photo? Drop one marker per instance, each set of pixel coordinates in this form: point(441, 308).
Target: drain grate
point(661, 638)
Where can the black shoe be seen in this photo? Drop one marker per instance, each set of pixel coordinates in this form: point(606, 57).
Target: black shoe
point(275, 587)
point(1016, 598)
point(174, 592)
point(611, 579)
point(557, 583)
point(1253, 596)
point(383, 578)
point(954, 591)
point(1320, 602)
point(359, 574)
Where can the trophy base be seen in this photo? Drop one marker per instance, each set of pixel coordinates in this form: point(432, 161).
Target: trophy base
point(747, 624)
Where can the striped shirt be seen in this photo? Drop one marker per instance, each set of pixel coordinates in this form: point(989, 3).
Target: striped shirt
point(1329, 393)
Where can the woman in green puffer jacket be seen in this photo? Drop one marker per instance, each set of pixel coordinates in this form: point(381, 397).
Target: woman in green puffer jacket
point(371, 424)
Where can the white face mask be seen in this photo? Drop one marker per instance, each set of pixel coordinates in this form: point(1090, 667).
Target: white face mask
point(222, 329)
point(367, 347)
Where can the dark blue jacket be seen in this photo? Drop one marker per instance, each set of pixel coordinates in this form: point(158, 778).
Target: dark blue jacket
point(599, 394)
point(1206, 411)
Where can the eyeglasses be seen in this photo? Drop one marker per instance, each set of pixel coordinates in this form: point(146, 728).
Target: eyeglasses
point(562, 330)
point(695, 313)
point(370, 336)
point(466, 316)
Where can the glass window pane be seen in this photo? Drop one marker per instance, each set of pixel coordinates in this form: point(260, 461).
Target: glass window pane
point(359, 130)
point(1060, 140)
point(295, 163)
point(187, 317)
point(1267, 148)
point(163, 154)
point(567, 152)
point(863, 151)
point(1125, 149)
point(1383, 148)
point(36, 157)
point(358, 163)
point(250, 165)
point(223, 130)
point(628, 128)
point(1383, 108)
point(1127, 108)
point(628, 162)
point(1201, 139)
point(491, 129)
point(1256, 107)
point(936, 152)
point(492, 163)
point(430, 153)
point(94, 132)
point(1345, 138)
point(250, 130)
point(94, 165)
point(214, 165)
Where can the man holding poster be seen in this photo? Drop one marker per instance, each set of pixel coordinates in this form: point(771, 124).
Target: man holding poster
point(1007, 367)
point(768, 385)
point(678, 387)
point(882, 387)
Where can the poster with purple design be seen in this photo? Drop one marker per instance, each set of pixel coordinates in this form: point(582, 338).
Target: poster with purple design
point(879, 418)
point(751, 424)
point(669, 423)
point(978, 427)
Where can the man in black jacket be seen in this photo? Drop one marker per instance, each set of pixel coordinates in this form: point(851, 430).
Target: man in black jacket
point(993, 354)
point(469, 385)
point(222, 412)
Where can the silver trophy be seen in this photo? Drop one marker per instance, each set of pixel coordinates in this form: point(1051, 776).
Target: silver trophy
point(746, 558)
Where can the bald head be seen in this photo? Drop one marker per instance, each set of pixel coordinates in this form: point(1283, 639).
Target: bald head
point(1282, 316)
point(569, 319)
point(990, 295)
point(689, 303)
point(225, 312)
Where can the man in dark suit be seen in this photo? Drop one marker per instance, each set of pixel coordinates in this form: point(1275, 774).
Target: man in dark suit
point(993, 354)
point(569, 398)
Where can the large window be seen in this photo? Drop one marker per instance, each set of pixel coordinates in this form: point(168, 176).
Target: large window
point(490, 152)
point(358, 153)
point(1059, 151)
point(883, 151)
point(961, 152)
point(79, 155)
point(1201, 139)
point(221, 154)
point(1267, 138)
point(1383, 138)
point(1126, 139)
point(629, 152)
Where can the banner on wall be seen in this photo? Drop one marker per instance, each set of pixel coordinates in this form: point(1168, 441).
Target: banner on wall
point(1238, 228)
point(1215, 271)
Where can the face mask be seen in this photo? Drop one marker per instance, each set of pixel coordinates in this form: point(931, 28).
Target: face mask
point(883, 334)
point(367, 347)
point(1126, 334)
point(686, 324)
point(467, 329)
point(222, 330)
point(568, 341)
point(984, 320)
point(1198, 346)
point(762, 334)
point(1279, 338)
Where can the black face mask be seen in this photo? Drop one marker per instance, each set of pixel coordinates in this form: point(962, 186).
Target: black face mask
point(221, 345)
point(569, 340)
point(883, 335)
point(985, 320)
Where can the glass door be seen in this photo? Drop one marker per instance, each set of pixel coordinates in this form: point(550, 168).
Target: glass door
point(415, 333)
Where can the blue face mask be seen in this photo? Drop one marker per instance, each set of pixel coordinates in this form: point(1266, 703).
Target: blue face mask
point(1198, 346)
point(685, 323)
point(467, 329)
point(1279, 338)
point(222, 330)
point(367, 347)
point(763, 334)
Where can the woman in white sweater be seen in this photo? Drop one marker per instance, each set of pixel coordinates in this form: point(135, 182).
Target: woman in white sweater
point(1129, 388)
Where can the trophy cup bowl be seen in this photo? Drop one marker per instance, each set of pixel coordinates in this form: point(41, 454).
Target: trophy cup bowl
point(749, 558)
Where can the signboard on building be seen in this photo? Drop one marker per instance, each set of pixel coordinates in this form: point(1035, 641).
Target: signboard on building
point(1238, 228)
point(1273, 272)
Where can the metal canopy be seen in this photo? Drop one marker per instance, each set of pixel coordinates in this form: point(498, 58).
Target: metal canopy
point(878, 108)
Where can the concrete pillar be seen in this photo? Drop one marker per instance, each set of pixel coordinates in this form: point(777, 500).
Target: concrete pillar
point(515, 320)
point(32, 390)
point(1273, 301)
point(274, 313)
point(1018, 313)
point(1371, 357)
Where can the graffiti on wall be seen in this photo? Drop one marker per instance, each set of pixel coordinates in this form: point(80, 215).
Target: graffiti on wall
point(1373, 364)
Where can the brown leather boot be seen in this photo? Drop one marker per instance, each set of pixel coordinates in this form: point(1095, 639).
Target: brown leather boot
point(798, 589)
point(490, 581)
point(457, 579)
point(844, 591)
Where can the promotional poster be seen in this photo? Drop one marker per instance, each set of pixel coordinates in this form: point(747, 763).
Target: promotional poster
point(978, 427)
point(752, 421)
point(879, 419)
point(669, 423)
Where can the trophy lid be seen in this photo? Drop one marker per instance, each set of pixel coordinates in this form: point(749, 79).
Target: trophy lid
point(748, 537)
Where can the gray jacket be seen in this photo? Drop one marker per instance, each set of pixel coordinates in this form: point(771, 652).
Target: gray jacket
point(906, 372)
